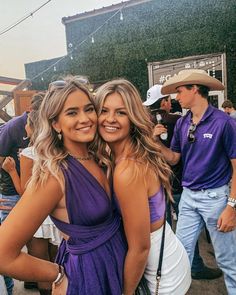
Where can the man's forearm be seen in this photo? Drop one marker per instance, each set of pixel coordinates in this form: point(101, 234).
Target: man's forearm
point(233, 180)
point(171, 157)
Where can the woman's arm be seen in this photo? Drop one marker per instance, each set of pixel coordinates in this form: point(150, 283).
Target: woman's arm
point(133, 200)
point(22, 222)
point(9, 166)
point(26, 165)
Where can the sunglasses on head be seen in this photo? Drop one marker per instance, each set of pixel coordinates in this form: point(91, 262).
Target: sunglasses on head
point(191, 130)
point(60, 84)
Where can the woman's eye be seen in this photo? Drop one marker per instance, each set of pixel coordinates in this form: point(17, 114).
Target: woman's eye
point(72, 113)
point(104, 111)
point(121, 113)
point(90, 109)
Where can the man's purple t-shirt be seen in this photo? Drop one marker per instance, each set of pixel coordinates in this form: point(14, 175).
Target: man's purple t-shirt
point(206, 162)
point(12, 140)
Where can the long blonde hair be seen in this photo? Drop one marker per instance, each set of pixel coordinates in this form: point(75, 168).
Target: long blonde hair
point(50, 151)
point(143, 147)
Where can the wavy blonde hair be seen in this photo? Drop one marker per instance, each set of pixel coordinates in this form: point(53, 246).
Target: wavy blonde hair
point(143, 147)
point(49, 149)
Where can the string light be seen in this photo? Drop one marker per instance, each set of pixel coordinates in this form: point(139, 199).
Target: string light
point(23, 19)
point(71, 57)
point(70, 45)
point(54, 68)
point(42, 79)
point(121, 16)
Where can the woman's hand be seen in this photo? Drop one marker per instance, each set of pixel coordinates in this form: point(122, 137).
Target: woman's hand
point(61, 288)
point(9, 165)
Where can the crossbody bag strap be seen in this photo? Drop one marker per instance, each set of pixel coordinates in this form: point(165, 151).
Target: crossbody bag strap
point(158, 274)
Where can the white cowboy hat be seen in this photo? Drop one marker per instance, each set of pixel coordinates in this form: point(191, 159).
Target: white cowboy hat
point(153, 95)
point(191, 77)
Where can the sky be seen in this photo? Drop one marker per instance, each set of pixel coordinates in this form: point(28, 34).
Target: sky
point(39, 37)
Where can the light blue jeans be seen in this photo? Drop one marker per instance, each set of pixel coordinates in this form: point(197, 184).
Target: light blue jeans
point(197, 207)
point(3, 215)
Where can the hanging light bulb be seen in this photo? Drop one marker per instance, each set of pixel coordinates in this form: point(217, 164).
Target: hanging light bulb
point(92, 40)
point(121, 16)
point(54, 68)
point(42, 79)
point(71, 57)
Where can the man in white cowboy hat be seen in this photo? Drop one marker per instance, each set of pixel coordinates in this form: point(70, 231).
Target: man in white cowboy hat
point(205, 139)
point(161, 104)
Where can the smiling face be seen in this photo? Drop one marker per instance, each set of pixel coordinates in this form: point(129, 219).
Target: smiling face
point(113, 122)
point(77, 121)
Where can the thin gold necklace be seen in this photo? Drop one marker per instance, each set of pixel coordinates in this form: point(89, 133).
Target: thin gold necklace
point(86, 158)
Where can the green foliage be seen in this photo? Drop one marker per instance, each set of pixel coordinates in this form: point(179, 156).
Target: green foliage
point(153, 31)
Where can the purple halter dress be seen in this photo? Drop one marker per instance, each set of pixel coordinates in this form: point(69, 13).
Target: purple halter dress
point(94, 255)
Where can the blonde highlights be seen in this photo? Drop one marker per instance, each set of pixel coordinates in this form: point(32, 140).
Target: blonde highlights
point(49, 149)
point(143, 147)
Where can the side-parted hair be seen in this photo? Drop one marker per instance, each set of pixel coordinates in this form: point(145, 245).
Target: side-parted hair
point(49, 149)
point(143, 147)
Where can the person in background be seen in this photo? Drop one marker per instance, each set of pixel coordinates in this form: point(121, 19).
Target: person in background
point(228, 108)
point(140, 176)
point(68, 184)
point(205, 140)
point(45, 241)
point(3, 290)
point(161, 104)
point(13, 139)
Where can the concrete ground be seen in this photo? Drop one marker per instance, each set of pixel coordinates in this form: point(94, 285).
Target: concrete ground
point(198, 287)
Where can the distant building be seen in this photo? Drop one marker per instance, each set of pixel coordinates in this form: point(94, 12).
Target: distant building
point(121, 39)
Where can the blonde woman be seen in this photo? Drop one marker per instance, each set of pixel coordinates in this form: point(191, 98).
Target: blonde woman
point(68, 184)
point(140, 176)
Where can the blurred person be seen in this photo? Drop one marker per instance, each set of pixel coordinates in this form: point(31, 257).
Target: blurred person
point(68, 184)
point(205, 140)
point(13, 139)
point(228, 108)
point(45, 241)
point(3, 290)
point(161, 104)
point(140, 176)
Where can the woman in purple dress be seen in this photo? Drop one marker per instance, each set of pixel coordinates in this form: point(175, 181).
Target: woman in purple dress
point(68, 184)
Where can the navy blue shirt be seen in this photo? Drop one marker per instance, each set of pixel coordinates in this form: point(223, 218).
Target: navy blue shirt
point(206, 162)
point(12, 140)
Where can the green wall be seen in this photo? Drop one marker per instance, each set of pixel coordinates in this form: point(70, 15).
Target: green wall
point(153, 31)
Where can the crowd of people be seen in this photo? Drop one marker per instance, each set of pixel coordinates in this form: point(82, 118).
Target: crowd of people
point(95, 178)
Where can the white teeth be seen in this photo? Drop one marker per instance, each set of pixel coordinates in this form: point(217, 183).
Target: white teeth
point(110, 128)
point(84, 128)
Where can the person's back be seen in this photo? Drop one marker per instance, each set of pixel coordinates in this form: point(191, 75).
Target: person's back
point(13, 138)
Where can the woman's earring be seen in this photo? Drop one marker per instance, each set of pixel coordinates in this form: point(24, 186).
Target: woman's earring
point(59, 135)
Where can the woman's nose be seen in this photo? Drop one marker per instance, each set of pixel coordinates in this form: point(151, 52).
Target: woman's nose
point(111, 118)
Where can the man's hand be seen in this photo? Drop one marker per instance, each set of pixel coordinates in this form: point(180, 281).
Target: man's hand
point(227, 220)
point(158, 130)
point(9, 164)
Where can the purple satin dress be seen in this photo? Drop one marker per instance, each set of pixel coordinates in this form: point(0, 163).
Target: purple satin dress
point(94, 255)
